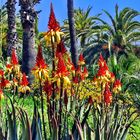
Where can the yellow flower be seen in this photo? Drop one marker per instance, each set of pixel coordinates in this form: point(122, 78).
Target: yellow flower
point(54, 34)
point(39, 73)
point(67, 81)
point(24, 84)
point(24, 89)
point(52, 37)
point(40, 69)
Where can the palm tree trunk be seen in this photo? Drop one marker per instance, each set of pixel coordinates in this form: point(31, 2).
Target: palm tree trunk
point(28, 16)
point(28, 52)
point(73, 49)
point(11, 34)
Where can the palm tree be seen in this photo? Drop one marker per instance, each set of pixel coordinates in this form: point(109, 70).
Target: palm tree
point(73, 49)
point(85, 26)
point(28, 16)
point(88, 33)
point(3, 31)
point(118, 38)
point(11, 34)
point(124, 31)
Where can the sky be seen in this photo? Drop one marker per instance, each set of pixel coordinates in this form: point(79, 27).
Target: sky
point(60, 8)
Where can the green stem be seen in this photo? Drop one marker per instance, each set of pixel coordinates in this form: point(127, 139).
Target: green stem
point(42, 110)
point(60, 109)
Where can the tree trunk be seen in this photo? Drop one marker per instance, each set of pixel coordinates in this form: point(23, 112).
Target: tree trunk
point(11, 34)
point(73, 49)
point(28, 52)
point(28, 16)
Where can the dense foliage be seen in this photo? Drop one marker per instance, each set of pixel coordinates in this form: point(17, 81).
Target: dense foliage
point(57, 99)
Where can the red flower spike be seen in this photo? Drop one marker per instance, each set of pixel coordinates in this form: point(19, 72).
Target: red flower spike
point(4, 82)
point(85, 72)
point(61, 67)
point(14, 59)
point(107, 95)
point(103, 70)
point(60, 49)
point(9, 66)
point(117, 83)
point(81, 60)
point(101, 61)
point(78, 70)
point(40, 62)
point(117, 86)
point(53, 24)
point(24, 81)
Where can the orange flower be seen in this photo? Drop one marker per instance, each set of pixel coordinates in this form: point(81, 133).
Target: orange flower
point(101, 61)
point(4, 83)
point(53, 24)
point(117, 86)
point(107, 95)
point(9, 68)
point(62, 72)
point(14, 59)
point(54, 34)
point(14, 65)
point(60, 49)
point(78, 70)
point(24, 81)
point(40, 62)
point(85, 72)
point(103, 71)
point(61, 67)
point(24, 84)
point(81, 60)
point(39, 69)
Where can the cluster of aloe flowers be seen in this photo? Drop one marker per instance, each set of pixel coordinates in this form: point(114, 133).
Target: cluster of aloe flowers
point(65, 97)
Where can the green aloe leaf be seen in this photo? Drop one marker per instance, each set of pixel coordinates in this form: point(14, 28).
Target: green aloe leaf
point(36, 125)
point(26, 129)
point(12, 129)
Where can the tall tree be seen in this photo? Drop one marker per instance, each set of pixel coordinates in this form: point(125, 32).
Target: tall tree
point(119, 36)
point(11, 32)
point(73, 49)
point(124, 31)
point(86, 28)
point(28, 16)
point(3, 32)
